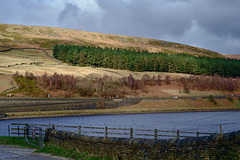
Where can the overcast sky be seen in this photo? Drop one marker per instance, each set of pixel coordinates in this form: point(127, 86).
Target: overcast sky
point(210, 24)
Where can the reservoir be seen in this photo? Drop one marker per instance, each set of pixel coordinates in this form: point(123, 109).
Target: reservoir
point(186, 121)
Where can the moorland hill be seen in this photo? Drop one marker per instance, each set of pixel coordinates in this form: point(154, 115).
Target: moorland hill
point(46, 37)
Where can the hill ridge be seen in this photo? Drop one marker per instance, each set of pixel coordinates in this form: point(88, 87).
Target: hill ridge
point(46, 37)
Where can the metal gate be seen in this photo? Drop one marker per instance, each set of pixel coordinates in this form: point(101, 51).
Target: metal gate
point(35, 136)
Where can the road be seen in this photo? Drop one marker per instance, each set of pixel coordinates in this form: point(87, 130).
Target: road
point(19, 153)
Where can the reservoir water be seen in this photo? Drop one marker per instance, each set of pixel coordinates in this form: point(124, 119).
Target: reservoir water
point(186, 121)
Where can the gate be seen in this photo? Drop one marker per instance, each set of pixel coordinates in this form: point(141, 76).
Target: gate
point(34, 135)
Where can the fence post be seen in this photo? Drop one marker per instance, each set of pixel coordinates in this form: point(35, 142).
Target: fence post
point(106, 132)
point(220, 128)
point(79, 130)
point(25, 130)
point(40, 137)
point(155, 133)
point(131, 133)
point(197, 133)
point(18, 131)
point(178, 134)
point(53, 126)
point(8, 131)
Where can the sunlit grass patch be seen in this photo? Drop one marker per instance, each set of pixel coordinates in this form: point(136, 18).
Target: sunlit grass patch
point(68, 153)
point(15, 141)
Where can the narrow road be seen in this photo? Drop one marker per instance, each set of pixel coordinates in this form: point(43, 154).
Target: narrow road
point(19, 153)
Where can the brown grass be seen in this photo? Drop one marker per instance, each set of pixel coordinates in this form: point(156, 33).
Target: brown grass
point(185, 105)
point(37, 62)
point(6, 82)
point(46, 37)
point(233, 56)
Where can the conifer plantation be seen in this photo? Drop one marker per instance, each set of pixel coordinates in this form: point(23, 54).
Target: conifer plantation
point(124, 59)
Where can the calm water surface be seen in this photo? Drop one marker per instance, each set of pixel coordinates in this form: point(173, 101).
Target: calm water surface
point(187, 121)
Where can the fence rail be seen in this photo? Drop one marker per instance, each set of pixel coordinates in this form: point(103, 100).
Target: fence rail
point(110, 132)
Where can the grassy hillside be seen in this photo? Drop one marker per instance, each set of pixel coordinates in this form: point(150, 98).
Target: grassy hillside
point(47, 37)
point(40, 61)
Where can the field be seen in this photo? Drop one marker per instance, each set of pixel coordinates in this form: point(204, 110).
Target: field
point(38, 62)
point(6, 82)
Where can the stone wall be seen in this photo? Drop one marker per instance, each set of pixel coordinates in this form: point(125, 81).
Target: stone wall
point(126, 148)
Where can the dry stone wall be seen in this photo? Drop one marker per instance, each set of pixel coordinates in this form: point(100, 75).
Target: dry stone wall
point(126, 148)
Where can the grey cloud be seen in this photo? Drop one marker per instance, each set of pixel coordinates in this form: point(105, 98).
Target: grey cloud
point(70, 12)
point(146, 18)
point(219, 17)
point(73, 17)
point(26, 12)
point(217, 21)
point(211, 24)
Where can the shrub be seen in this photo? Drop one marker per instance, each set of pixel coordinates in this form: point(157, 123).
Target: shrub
point(167, 80)
point(186, 89)
point(85, 88)
point(214, 82)
point(16, 74)
point(100, 105)
point(27, 85)
point(159, 81)
point(230, 99)
point(58, 81)
point(68, 94)
point(185, 84)
point(212, 99)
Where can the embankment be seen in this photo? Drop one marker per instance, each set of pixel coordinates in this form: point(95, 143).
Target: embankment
point(11, 105)
point(215, 145)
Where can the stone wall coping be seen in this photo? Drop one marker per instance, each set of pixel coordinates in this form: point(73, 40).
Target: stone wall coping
point(195, 141)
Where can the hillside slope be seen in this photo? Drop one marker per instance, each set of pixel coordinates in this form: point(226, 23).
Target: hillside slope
point(47, 37)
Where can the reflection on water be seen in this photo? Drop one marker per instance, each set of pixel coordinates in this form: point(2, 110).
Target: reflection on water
point(187, 121)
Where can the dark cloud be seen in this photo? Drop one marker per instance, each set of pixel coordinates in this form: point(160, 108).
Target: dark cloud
point(219, 17)
point(74, 17)
point(211, 24)
point(70, 15)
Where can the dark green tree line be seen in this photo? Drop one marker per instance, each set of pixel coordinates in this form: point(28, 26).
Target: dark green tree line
point(124, 59)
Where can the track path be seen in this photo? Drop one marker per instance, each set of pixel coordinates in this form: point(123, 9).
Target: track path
point(8, 152)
